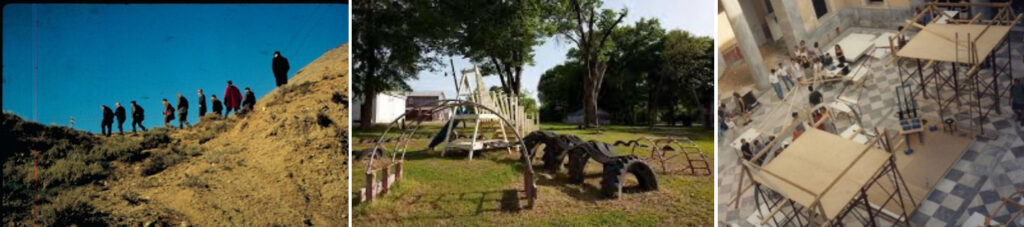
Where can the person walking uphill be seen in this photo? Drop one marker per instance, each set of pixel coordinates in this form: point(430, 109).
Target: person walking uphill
point(106, 126)
point(202, 104)
point(216, 105)
point(137, 116)
point(231, 99)
point(119, 112)
point(183, 112)
point(280, 67)
point(249, 101)
point(168, 114)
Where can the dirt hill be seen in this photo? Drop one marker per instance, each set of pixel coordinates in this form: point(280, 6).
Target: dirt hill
point(282, 164)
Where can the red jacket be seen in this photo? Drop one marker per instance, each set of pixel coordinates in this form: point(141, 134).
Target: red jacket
point(232, 97)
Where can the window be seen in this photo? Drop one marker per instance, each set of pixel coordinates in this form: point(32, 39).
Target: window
point(820, 8)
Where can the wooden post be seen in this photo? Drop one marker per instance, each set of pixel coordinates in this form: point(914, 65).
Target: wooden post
point(385, 180)
point(368, 194)
point(399, 170)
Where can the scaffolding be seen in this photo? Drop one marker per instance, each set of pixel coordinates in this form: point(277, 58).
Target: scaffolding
point(948, 57)
point(804, 184)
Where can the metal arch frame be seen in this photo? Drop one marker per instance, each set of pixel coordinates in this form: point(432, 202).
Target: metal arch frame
point(529, 185)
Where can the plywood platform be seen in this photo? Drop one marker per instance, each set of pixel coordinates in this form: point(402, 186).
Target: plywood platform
point(813, 161)
point(938, 42)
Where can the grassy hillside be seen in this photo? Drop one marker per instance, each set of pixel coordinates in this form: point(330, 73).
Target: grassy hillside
point(283, 164)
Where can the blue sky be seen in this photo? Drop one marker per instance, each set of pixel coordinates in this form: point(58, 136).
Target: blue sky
point(697, 17)
point(65, 60)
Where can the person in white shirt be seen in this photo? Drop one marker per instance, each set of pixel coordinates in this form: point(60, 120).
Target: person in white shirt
point(774, 79)
point(786, 77)
point(797, 72)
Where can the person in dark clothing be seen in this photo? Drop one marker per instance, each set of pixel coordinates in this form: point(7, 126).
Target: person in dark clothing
point(232, 98)
point(137, 116)
point(202, 104)
point(280, 67)
point(119, 112)
point(183, 112)
point(815, 97)
point(746, 150)
point(216, 105)
point(106, 126)
point(1017, 100)
point(168, 114)
point(249, 101)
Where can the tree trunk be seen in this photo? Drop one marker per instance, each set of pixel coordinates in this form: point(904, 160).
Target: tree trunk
point(590, 119)
point(366, 109)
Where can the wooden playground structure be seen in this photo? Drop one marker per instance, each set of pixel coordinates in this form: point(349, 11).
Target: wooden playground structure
point(953, 61)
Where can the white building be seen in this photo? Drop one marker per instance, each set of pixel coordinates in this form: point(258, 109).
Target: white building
point(386, 106)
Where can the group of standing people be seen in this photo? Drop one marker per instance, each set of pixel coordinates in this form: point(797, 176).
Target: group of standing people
point(233, 101)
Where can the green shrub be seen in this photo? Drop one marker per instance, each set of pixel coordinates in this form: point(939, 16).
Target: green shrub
point(124, 149)
point(71, 209)
point(73, 172)
point(155, 138)
point(160, 160)
point(193, 150)
point(194, 182)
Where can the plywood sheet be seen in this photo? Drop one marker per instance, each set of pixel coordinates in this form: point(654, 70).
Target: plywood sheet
point(813, 161)
point(937, 42)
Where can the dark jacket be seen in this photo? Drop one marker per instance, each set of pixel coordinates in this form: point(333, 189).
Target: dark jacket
point(108, 115)
point(119, 112)
point(232, 97)
point(168, 112)
point(202, 103)
point(280, 65)
point(216, 106)
point(137, 113)
point(249, 100)
point(182, 105)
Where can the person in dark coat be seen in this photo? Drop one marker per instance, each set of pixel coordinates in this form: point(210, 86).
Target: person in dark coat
point(183, 112)
point(202, 104)
point(106, 126)
point(168, 114)
point(280, 67)
point(249, 101)
point(119, 112)
point(216, 105)
point(231, 99)
point(138, 114)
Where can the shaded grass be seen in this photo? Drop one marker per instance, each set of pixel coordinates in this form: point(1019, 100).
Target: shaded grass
point(452, 190)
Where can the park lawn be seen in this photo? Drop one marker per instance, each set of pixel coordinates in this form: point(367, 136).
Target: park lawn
point(486, 191)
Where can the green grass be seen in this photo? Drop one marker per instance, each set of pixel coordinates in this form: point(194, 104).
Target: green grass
point(454, 191)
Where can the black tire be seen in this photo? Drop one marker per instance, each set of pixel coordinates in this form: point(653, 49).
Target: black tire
point(553, 158)
point(578, 157)
point(536, 138)
point(611, 181)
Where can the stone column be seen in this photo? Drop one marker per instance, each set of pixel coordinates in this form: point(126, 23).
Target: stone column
point(792, 24)
point(746, 42)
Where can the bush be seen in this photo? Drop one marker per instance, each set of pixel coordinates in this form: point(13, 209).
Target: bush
point(160, 160)
point(193, 150)
point(123, 149)
point(194, 182)
point(155, 138)
point(73, 172)
point(71, 209)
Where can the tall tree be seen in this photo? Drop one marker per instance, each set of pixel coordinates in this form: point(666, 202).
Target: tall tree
point(498, 35)
point(589, 27)
point(689, 61)
point(386, 49)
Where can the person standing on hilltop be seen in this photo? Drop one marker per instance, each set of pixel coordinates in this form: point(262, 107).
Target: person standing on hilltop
point(119, 112)
point(280, 67)
point(249, 101)
point(231, 99)
point(168, 114)
point(183, 111)
point(137, 116)
point(202, 104)
point(106, 126)
point(216, 104)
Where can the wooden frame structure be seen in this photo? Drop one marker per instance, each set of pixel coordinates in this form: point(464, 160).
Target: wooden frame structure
point(391, 168)
point(950, 58)
point(507, 108)
point(823, 178)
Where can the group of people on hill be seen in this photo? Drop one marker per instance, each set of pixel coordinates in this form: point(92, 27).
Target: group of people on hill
point(233, 101)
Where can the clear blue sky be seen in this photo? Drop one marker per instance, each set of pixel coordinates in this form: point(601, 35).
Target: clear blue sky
point(65, 60)
point(697, 17)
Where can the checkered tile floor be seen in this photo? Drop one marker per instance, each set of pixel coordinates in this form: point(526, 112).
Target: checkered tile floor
point(987, 171)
